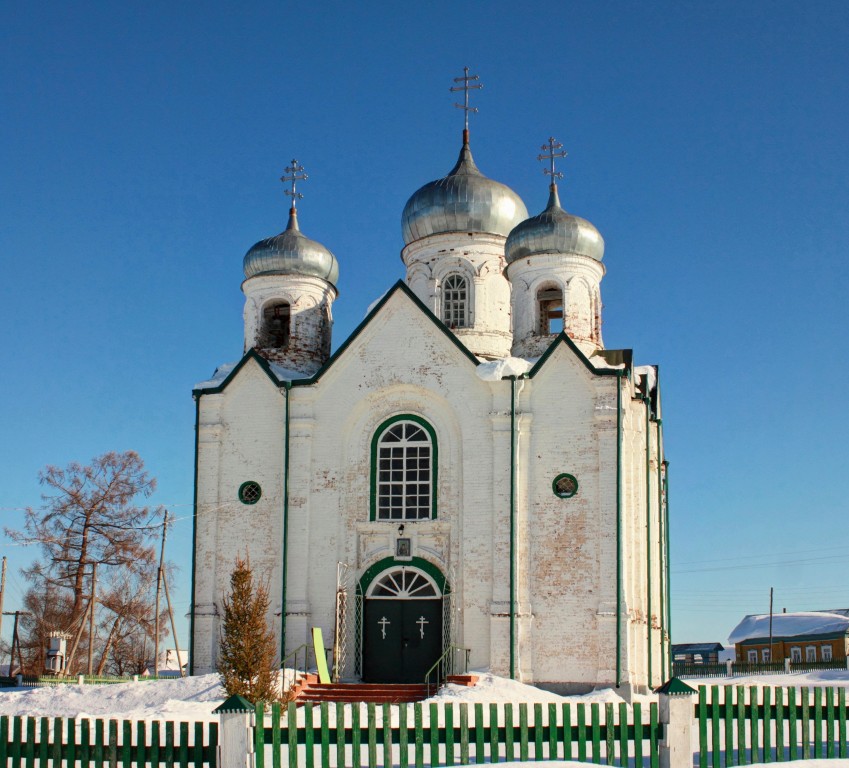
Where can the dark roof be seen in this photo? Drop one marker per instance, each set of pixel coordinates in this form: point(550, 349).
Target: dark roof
point(697, 647)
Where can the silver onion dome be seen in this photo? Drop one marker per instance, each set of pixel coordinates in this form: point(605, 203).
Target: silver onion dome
point(291, 253)
point(463, 201)
point(554, 231)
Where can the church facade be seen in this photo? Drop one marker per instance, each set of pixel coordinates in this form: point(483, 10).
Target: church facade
point(471, 469)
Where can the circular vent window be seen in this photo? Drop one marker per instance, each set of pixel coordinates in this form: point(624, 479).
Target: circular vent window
point(565, 486)
point(250, 492)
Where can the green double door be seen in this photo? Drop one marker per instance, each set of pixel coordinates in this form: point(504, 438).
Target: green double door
point(402, 639)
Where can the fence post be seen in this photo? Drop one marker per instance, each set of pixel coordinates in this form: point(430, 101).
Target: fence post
point(235, 733)
point(676, 716)
point(786, 666)
point(19, 679)
point(729, 668)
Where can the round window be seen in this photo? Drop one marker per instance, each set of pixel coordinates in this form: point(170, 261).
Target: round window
point(565, 486)
point(250, 492)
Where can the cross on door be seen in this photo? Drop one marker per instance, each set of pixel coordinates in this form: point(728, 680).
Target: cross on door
point(384, 622)
point(421, 622)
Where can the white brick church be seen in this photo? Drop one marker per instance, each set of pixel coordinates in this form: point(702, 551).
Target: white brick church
point(470, 469)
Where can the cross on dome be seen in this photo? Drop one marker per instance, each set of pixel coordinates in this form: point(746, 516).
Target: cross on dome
point(293, 173)
point(553, 146)
point(469, 83)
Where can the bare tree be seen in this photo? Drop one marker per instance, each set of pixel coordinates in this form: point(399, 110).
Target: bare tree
point(91, 518)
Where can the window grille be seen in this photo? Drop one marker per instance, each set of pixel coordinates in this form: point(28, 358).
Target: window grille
point(404, 472)
point(455, 301)
point(276, 319)
point(550, 301)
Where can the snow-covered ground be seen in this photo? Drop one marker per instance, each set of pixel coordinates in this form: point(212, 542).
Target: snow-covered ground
point(194, 698)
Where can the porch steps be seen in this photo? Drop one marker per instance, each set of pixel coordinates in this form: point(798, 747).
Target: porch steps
point(379, 693)
point(469, 681)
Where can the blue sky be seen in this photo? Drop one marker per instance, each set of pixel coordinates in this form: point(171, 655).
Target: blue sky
point(140, 148)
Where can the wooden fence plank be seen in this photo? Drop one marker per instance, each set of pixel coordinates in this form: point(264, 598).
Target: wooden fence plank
point(464, 733)
point(508, 733)
point(728, 715)
point(417, 724)
point(372, 735)
point(386, 724)
point(448, 711)
point(434, 735)
point(582, 733)
point(403, 738)
point(292, 733)
point(113, 745)
point(623, 734)
point(29, 745)
point(779, 724)
point(829, 723)
point(818, 723)
point(4, 739)
point(766, 726)
point(552, 731)
point(182, 745)
point(169, 742)
point(44, 740)
point(309, 735)
point(523, 732)
point(702, 715)
point(596, 733)
point(197, 749)
point(153, 761)
point(792, 721)
point(259, 734)
point(567, 732)
point(714, 726)
point(654, 753)
point(340, 737)
point(741, 725)
point(610, 742)
point(325, 735)
point(538, 729)
point(806, 724)
point(638, 734)
point(356, 751)
point(493, 733)
point(479, 734)
point(841, 721)
point(754, 740)
point(276, 747)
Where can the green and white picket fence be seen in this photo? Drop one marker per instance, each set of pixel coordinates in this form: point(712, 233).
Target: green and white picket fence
point(66, 742)
point(420, 735)
point(740, 725)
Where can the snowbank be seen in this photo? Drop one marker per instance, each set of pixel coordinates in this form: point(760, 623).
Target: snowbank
point(495, 370)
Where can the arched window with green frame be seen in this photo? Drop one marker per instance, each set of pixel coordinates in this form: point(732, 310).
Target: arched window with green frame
point(403, 470)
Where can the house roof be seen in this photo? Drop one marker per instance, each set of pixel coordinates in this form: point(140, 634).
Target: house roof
point(697, 647)
point(798, 624)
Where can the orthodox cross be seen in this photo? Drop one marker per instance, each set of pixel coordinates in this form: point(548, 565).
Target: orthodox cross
point(552, 147)
point(421, 622)
point(384, 622)
point(294, 173)
point(466, 86)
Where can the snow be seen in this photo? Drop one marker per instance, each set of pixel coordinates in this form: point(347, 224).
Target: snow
point(495, 370)
point(598, 361)
point(286, 374)
point(375, 303)
point(789, 625)
point(221, 373)
point(650, 372)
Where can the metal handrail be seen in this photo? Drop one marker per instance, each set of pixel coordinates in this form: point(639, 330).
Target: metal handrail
point(306, 647)
point(445, 665)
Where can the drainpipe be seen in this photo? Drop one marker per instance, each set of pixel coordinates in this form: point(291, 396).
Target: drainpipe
point(512, 527)
point(647, 402)
point(194, 541)
point(618, 528)
point(661, 534)
point(668, 579)
point(287, 389)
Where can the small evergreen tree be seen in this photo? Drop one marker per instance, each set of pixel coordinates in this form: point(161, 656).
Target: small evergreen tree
point(247, 658)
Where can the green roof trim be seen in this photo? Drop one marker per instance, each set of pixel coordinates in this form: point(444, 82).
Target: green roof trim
point(251, 354)
point(401, 286)
point(676, 687)
point(562, 338)
point(235, 703)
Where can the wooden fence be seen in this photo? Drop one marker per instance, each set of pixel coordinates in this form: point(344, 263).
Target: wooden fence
point(739, 725)
point(58, 742)
point(740, 668)
point(447, 734)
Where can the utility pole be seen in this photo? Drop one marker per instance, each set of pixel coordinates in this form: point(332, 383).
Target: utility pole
point(156, 605)
point(2, 594)
point(16, 642)
point(770, 625)
point(92, 605)
point(173, 625)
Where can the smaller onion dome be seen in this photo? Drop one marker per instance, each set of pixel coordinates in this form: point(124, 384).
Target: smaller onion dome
point(291, 253)
point(554, 231)
point(463, 201)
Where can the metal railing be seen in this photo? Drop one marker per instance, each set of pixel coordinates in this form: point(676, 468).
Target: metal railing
point(445, 665)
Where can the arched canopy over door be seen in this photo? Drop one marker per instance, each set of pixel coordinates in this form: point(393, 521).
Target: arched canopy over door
point(402, 625)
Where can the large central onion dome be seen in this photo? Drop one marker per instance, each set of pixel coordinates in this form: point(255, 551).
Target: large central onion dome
point(463, 201)
point(291, 253)
point(554, 231)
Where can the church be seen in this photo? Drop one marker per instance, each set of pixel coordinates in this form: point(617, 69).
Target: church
point(470, 475)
